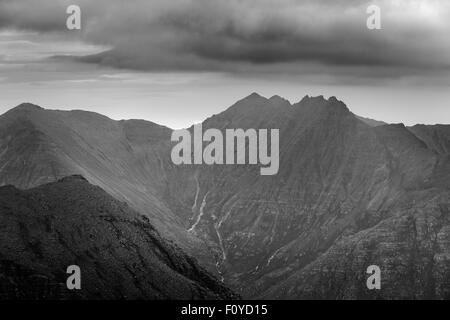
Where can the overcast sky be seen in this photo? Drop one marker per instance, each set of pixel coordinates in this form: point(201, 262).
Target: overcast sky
point(177, 62)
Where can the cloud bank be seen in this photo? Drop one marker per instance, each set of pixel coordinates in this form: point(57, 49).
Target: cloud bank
point(242, 36)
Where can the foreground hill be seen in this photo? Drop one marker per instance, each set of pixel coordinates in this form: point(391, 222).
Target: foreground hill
point(121, 255)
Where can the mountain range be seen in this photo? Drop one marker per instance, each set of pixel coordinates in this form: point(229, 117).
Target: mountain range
point(350, 192)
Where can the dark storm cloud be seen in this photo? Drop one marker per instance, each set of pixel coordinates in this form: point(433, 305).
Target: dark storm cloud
point(251, 35)
point(32, 15)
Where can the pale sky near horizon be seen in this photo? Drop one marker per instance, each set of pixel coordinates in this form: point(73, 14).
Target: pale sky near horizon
point(178, 63)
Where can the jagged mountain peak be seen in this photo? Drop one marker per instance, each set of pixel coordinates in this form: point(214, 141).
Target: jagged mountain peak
point(320, 101)
point(29, 106)
point(257, 99)
point(280, 101)
point(307, 99)
point(255, 95)
point(256, 111)
point(319, 107)
point(252, 98)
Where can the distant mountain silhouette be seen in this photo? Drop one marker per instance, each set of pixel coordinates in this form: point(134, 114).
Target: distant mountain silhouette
point(120, 254)
point(349, 193)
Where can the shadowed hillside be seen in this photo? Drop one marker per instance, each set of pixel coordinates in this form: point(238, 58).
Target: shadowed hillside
point(121, 255)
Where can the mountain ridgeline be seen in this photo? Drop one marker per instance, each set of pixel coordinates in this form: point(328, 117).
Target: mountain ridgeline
point(350, 192)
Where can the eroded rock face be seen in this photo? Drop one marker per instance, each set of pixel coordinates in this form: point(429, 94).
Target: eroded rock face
point(412, 249)
point(121, 255)
point(292, 235)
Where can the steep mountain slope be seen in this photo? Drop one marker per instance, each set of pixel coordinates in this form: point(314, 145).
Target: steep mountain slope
point(411, 247)
point(128, 159)
point(436, 137)
point(121, 256)
point(338, 177)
